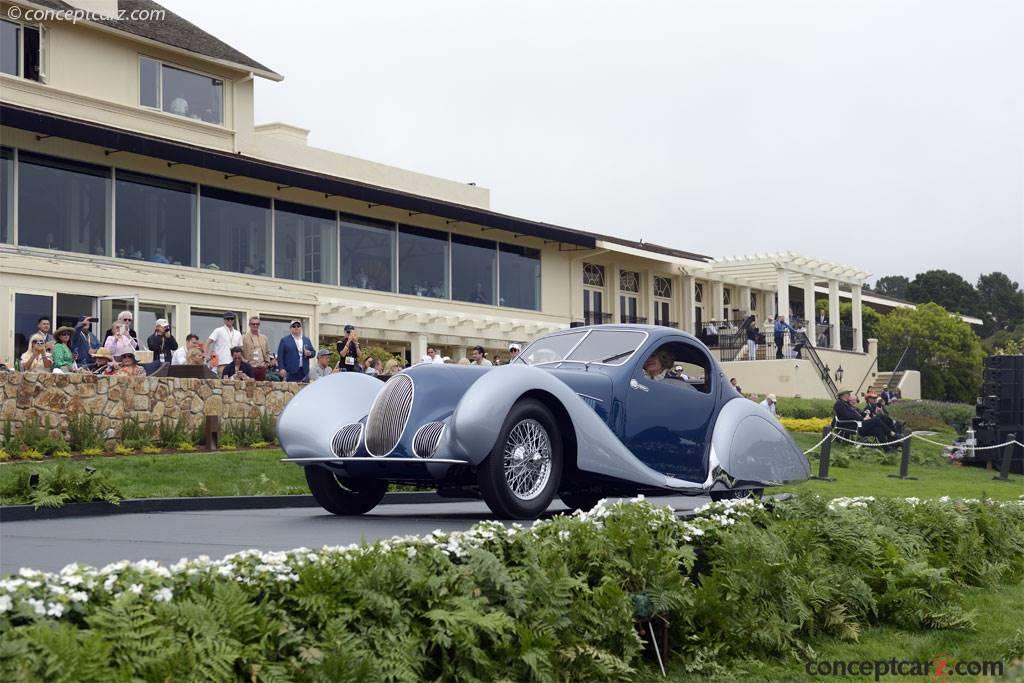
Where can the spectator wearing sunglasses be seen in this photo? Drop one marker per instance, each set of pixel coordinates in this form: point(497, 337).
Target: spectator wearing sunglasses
point(36, 359)
point(256, 349)
point(124, 317)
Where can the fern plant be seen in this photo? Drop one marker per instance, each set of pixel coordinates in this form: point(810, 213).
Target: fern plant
point(84, 432)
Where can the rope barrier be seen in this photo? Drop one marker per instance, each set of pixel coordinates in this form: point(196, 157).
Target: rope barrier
point(914, 435)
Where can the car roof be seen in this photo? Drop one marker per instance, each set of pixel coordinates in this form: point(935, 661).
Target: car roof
point(653, 331)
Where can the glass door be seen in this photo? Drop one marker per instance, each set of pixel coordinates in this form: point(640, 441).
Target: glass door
point(111, 307)
point(28, 309)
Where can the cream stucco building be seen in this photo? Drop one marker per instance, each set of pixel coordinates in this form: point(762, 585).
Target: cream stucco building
point(133, 176)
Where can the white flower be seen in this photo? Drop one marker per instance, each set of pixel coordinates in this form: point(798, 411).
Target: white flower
point(163, 595)
point(79, 596)
point(564, 535)
point(5, 603)
point(410, 552)
point(136, 588)
point(37, 605)
point(56, 609)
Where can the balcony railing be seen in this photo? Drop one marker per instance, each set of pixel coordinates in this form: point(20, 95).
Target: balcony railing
point(592, 318)
point(634, 320)
point(667, 323)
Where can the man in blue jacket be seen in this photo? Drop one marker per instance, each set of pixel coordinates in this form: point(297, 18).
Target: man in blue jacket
point(294, 352)
point(780, 334)
point(84, 342)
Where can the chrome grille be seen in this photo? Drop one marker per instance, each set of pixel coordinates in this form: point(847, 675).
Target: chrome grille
point(389, 415)
point(346, 441)
point(426, 439)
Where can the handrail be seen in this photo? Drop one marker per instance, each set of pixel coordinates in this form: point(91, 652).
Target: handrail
point(891, 384)
point(826, 379)
point(874, 365)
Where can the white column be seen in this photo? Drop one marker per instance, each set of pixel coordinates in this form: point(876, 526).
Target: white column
point(744, 301)
point(858, 322)
point(458, 353)
point(688, 303)
point(717, 299)
point(809, 309)
point(419, 348)
point(612, 271)
point(769, 304)
point(833, 313)
point(783, 288)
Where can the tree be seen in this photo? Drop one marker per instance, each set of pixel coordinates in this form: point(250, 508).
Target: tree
point(947, 289)
point(869, 317)
point(893, 285)
point(1000, 303)
point(942, 347)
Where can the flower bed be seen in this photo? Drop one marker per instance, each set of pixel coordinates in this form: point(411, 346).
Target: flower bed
point(567, 599)
point(807, 424)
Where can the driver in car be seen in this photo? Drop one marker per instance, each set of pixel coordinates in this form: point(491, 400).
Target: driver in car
point(656, 367)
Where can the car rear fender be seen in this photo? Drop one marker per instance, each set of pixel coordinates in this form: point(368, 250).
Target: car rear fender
point(477, 421)
point(750, 445)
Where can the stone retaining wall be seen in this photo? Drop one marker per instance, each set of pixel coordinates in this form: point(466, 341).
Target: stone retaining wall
point(115, 399)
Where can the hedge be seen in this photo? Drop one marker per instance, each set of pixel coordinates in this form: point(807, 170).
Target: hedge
point(932, 415)
point(568, 599)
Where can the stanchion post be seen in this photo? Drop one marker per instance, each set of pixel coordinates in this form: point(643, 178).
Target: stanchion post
point(1004, 464)
point(904, 461)
point(212, 432)
point(824, 455)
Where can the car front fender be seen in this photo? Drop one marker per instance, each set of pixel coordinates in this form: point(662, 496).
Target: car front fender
point(315, 414)
point(751, 445)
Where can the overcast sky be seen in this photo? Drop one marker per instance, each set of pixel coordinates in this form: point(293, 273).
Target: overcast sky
point(886, 134)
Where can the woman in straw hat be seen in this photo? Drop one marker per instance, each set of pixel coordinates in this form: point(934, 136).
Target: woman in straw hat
point(63, 359)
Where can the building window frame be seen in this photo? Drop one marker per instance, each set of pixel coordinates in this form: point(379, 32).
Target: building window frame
point(42, 56)
point(160, 64)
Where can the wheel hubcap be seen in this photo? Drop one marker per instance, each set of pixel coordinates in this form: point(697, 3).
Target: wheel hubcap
point(527, 459)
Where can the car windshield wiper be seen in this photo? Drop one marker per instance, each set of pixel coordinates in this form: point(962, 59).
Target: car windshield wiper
point(616, 356)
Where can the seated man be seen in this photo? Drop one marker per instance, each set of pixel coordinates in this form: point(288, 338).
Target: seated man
point(847, 417)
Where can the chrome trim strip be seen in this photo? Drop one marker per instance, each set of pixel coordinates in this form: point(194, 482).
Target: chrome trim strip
point(592, 398)
point(404, 461)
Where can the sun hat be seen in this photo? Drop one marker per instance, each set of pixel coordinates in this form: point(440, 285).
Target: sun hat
point(64, 329)
point(771, 397)
point(102, 352)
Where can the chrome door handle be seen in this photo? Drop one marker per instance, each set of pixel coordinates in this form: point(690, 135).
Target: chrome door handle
point(633, 384)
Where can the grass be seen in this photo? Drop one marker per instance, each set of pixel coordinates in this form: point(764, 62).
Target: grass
point(997, 637)
point(238, 473)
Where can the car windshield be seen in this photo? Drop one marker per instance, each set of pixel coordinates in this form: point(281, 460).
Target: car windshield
point(611, 347)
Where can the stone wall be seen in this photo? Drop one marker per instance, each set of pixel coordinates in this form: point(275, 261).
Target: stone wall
point(115, 399)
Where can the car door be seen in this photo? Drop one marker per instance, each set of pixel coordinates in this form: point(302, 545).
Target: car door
point(669, 417)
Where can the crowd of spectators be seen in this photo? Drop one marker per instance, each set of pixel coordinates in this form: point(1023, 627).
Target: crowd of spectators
point(226, 353)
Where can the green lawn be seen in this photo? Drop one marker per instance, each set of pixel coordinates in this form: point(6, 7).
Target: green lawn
point(863, 478)
point(997, 637)
point(240, 473)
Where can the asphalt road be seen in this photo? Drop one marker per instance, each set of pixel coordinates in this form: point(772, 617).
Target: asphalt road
point(51, 544)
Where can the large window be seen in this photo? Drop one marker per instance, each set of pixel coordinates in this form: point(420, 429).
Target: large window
point(422, 262)
point(20, 50)
point(28, 309)
point(367, 254)
point(235, 232)
point(63, 204)
point(178, 91)
point(520, 276)
point(156, 219)
point(277, 329)
point(6, 194)
point(305, 243)
point(203, 323)
point(474, 269)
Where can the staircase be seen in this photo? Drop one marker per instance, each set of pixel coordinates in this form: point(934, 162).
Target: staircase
point(886, 380)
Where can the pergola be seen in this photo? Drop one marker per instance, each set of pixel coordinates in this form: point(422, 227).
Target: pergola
point(775, 272)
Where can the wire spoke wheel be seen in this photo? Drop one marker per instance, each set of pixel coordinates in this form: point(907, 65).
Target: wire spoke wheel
point(527, 459)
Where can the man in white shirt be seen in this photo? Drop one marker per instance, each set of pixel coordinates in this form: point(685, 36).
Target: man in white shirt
point(434, 356)
point(478, 356)
point(180, 355)
point(769, 404)
point(222, 340)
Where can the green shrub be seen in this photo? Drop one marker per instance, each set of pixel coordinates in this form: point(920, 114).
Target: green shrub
point(63, 484)
point(567, 599)
point(803, 408)
point(241, 431)
point(135, 434)
point(268, 427)
point(34, 435)
point(172, 432)
point(931, 415)
point(84, 432)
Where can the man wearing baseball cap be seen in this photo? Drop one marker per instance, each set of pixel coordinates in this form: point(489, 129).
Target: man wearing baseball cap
point(348, 350)
point(322, 367)
point(769, 404)
point(222, 340)
point(513, 351)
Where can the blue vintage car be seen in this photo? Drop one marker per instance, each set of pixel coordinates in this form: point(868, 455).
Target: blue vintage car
point(583, 414)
